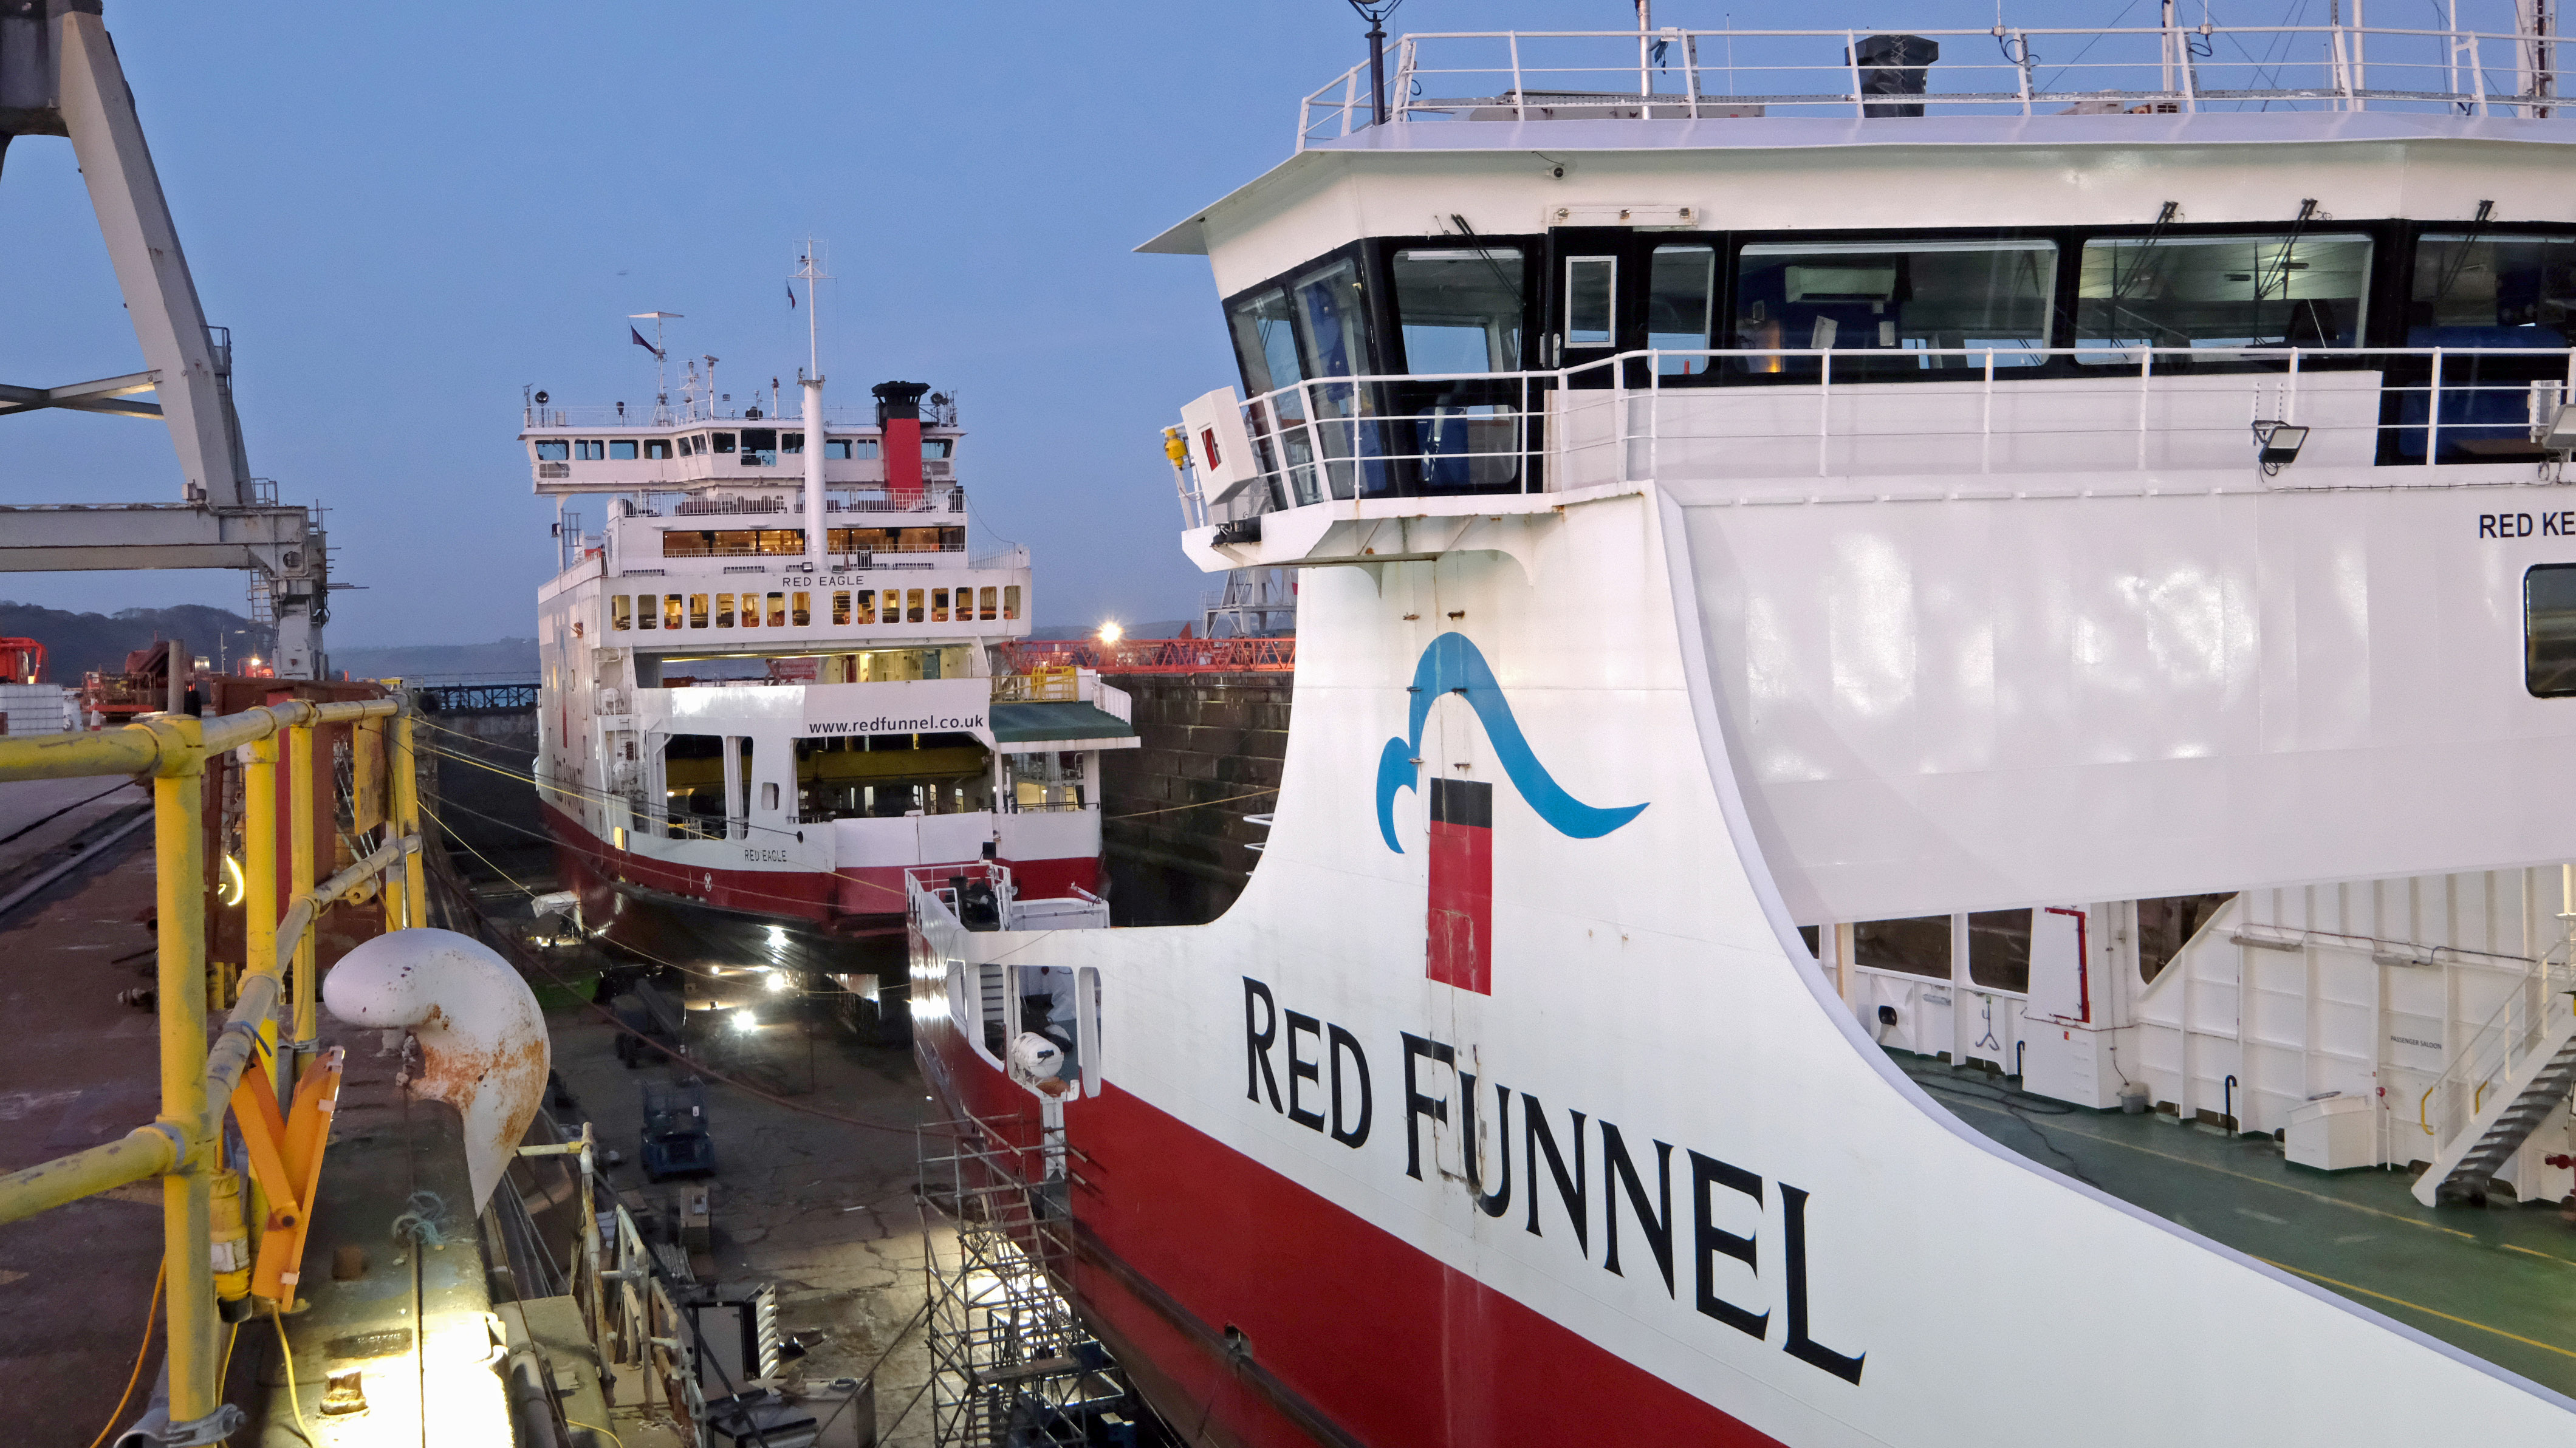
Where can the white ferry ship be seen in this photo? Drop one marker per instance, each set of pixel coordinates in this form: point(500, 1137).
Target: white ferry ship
point(769, 686)
point(1828, 558)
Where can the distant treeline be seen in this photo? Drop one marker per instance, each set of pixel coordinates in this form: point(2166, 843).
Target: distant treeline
point(76, 643)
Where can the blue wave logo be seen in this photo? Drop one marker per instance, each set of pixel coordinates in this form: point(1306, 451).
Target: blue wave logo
point(1452, 665)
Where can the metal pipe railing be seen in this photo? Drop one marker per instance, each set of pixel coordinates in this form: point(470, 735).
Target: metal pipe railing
point(179, 1145)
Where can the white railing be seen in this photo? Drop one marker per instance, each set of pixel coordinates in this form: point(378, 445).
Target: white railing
point(689, 411)
point(2524, 1031)
point(1957, 410)
point(2006, 70)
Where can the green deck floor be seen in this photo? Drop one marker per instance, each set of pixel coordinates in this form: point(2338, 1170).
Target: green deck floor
point(2499, 1282)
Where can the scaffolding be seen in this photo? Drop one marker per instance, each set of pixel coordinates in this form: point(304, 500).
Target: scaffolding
point(1012, 1365)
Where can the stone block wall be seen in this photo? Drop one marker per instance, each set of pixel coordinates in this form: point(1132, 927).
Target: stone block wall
point(1172, 810)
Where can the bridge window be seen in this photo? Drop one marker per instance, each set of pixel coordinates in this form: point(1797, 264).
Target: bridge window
point(1894, 297)
point(689, 447)
point(791, 442)
point(724, 610)
point(648, 610)
point(1459, 308)
point(1265, 342)
point(801, 612)
point(588, 450)
point(1920, 946)
point(759, 446)
point(938, 447)
point(1591, 305)
point(2492, 291)
point(2549, 630)
point(697, 610)
point(2219, 292)
point(621, 450)
point(838, 447)
point(657, 448)
point(621, 611)
point(554, 450)
point(723, 444)
point(1681, 293)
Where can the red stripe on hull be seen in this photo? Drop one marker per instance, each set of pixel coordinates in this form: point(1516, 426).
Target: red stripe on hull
point(1354, 1336)
point(851, 900)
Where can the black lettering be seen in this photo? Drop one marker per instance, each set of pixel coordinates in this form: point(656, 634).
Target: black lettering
point(1343, 1040)
point(1658, 1226)
point(1576, 1194)
point(1708, 1240)
point(2522, 525)
point(2486, 525)
point(1256, 1042)
point(2549, 525)
point(1793, 1227)
point(2567, 525)
point(1417, 1105)
point(1300, 1069)
point(1473, 1148)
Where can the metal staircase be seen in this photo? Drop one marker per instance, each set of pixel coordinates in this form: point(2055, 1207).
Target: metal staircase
point(2501, 1086)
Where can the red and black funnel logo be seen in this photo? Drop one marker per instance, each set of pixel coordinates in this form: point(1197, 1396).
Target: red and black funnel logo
point(1462, 884)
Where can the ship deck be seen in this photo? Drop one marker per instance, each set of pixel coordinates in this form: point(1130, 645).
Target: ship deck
point(2497, 1283)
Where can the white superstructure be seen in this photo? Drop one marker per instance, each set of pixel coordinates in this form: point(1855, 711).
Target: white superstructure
point(2084, 583)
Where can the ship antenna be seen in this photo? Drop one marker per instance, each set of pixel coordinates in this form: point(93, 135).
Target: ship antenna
point(1375, 13)
point(661, 363)
point(809, 270)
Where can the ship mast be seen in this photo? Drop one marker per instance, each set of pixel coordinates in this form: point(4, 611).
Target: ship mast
point(809, 270)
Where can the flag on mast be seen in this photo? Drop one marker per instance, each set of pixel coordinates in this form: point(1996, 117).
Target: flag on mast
point(791, 296)
point(647, 346)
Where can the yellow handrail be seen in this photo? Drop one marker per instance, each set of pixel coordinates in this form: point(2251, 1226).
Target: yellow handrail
point(196, 1084)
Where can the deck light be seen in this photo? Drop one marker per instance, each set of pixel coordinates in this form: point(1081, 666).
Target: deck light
point(744, 1020)
point(2277, 444)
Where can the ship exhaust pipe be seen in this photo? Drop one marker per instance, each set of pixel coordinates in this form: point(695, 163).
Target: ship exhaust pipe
point(899, 423)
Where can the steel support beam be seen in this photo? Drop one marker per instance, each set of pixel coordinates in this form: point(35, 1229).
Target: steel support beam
point(196, 375)
point(106, 395)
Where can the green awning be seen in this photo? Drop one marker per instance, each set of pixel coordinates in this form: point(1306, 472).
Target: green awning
point(1079, 725)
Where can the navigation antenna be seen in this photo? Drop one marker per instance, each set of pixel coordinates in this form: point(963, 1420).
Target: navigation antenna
point(661, 356)
point(809, 270)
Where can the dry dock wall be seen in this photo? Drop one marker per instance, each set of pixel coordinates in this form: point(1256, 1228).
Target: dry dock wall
point(1173, 810)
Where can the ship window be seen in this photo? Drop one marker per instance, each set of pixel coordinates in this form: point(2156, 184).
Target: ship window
point(913, 607)
point(791, 442)
point(588, 450)
point(657, 448)
point(1895, 297)
point(840, 606)
point(1459, 308)
point(724, 442)
point(1011, 600)
point(1333, 320)
point(2218, 292)
point(838, 447)
point(864, 449)
point(2165, 926)
point(759, 447)
point(865, 604)
point(724, 610)
point(2549, 630)
point(670, 610)
point(769, 796)
point(939, 605)
point(988, 605)
point(2492, 291)
point(621, 450)
point(938, 447)
point(778, 610)
point(751, 610)
point(1265, 342)
point(648, 610)
point(697, 610)
point(1681, 291)
point(801, 612)
point(1999, 949)
point(1591, 288)
point(741, 794)
point(554, 450)
point(1920, 946)
point(621, 611)
point(689, 447)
